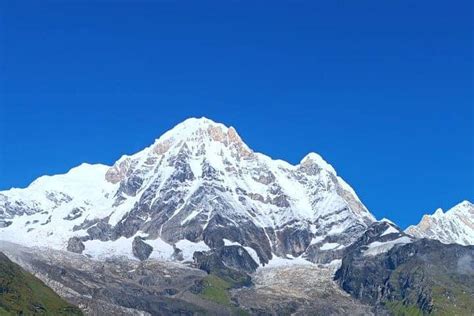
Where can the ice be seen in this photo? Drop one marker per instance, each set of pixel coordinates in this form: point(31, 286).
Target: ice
point(102, 250)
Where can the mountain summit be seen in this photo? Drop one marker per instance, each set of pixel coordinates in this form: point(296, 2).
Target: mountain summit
point(198, 187)
point(454, 226)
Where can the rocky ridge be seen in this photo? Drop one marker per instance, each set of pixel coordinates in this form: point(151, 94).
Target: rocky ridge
point(454, 226)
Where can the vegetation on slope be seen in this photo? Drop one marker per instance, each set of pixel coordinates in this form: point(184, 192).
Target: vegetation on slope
point(216, 289)
point(427, 287)
point(21, 293)
point(424, 277)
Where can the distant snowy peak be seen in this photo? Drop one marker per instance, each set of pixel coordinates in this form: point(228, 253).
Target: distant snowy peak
point(454, 226)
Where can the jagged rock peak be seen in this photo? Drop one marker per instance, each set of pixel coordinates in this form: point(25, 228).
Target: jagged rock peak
point(204, 137)
point(194, 136)
point(314, 158)
point(453, 226)
point(202, 130)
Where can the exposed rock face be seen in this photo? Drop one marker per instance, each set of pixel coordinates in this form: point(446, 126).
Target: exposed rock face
point(198, 183)
point(4, 223)
point(234, 257)
point(75, 245)
point(75, 213)
point(423, 275)
point(140, 249)
point(454, 226)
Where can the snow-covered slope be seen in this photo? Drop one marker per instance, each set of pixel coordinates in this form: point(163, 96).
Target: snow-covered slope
point(454, 226)
point(197, 187)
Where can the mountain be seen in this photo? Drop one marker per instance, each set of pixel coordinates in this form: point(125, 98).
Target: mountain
point(199, 223)
point(197, 188)
point(387, 268)
point(23, 294)
point(454, 226)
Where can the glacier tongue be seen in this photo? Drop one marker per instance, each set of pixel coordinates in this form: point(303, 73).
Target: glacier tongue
point(198, 184)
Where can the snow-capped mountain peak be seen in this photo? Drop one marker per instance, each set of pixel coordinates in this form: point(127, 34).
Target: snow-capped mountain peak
point(438, 213)
point(202, 130)
point(195, 187)
point(454, 226)
point(314, 158)
point(197, 137)
point(465, 207)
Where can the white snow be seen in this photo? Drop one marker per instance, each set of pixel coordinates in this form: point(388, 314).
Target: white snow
point(387, 221)
point(102, 250)
point(196, 167)
point(454, 226)
point(329, 246)
point(318, 160)
point(336, 264)
point(83, 187)
point(188, 248)
point(281, 262)
point(390, 230)
point(317, 239)
point(193, 214)
point(252, 253)
point(438, 213)
point(378, 247)
point(228, 242)
point(161, 249)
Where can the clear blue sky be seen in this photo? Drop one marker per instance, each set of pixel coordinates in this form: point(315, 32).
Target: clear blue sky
point(383, 90)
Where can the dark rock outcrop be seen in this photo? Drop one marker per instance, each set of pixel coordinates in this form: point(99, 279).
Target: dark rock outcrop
point(102, 231)
point(75, 213)
point(213, 263)
point(4, 223)
point(424, 275)
point(75, 244)
point(140, 249)
point(237, 257)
